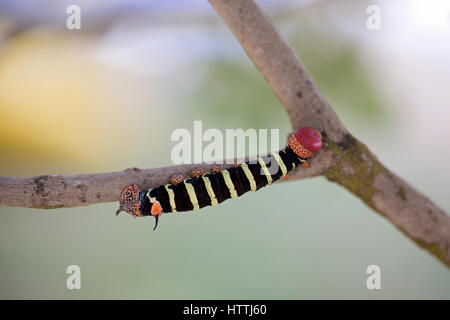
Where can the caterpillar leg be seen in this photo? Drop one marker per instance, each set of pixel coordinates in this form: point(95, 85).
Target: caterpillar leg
point(176, 179)
point(156, 211)
point(305, 164)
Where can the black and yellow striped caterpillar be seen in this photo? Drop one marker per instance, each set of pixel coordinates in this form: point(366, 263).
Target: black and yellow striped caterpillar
point(210, 189)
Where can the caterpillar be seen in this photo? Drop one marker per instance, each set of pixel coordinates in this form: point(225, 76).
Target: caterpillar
point(210, 189)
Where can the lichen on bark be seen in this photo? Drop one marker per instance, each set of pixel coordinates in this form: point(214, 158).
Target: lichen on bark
point(356, 167)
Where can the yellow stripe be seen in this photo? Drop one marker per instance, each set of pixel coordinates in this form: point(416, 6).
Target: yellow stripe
point(210, 190)
point(229, 183)
point(293, 165)
point(152, 199)
point(171, 197)
point(249, 176)
point(192, 196)
point(280, 163)
point(266, 171)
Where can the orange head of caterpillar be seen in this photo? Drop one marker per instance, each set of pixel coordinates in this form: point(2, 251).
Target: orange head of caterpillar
point(129, 201)
point(305, 142)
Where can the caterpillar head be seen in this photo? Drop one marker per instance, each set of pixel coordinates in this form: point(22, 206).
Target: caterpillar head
point(129, 201)
point(305, 142)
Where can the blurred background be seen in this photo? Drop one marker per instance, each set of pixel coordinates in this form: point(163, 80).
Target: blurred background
point(107, 97)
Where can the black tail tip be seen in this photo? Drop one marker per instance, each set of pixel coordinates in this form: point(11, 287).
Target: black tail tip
point(156, 222)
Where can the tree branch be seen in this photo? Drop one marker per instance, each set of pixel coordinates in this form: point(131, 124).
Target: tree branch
point(344, 159)
point(350, 163)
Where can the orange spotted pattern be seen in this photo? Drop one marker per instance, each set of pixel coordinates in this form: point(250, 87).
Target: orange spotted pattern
point(176, 179)
point(217, 168)
point(129, 200)
point(197, 173)
point(298, 149)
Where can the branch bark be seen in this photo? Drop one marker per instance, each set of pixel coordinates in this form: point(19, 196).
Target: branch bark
point(344, 159)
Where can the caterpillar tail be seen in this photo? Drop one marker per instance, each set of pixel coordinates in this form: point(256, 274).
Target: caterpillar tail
point(156, 211)
point(156, 223)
